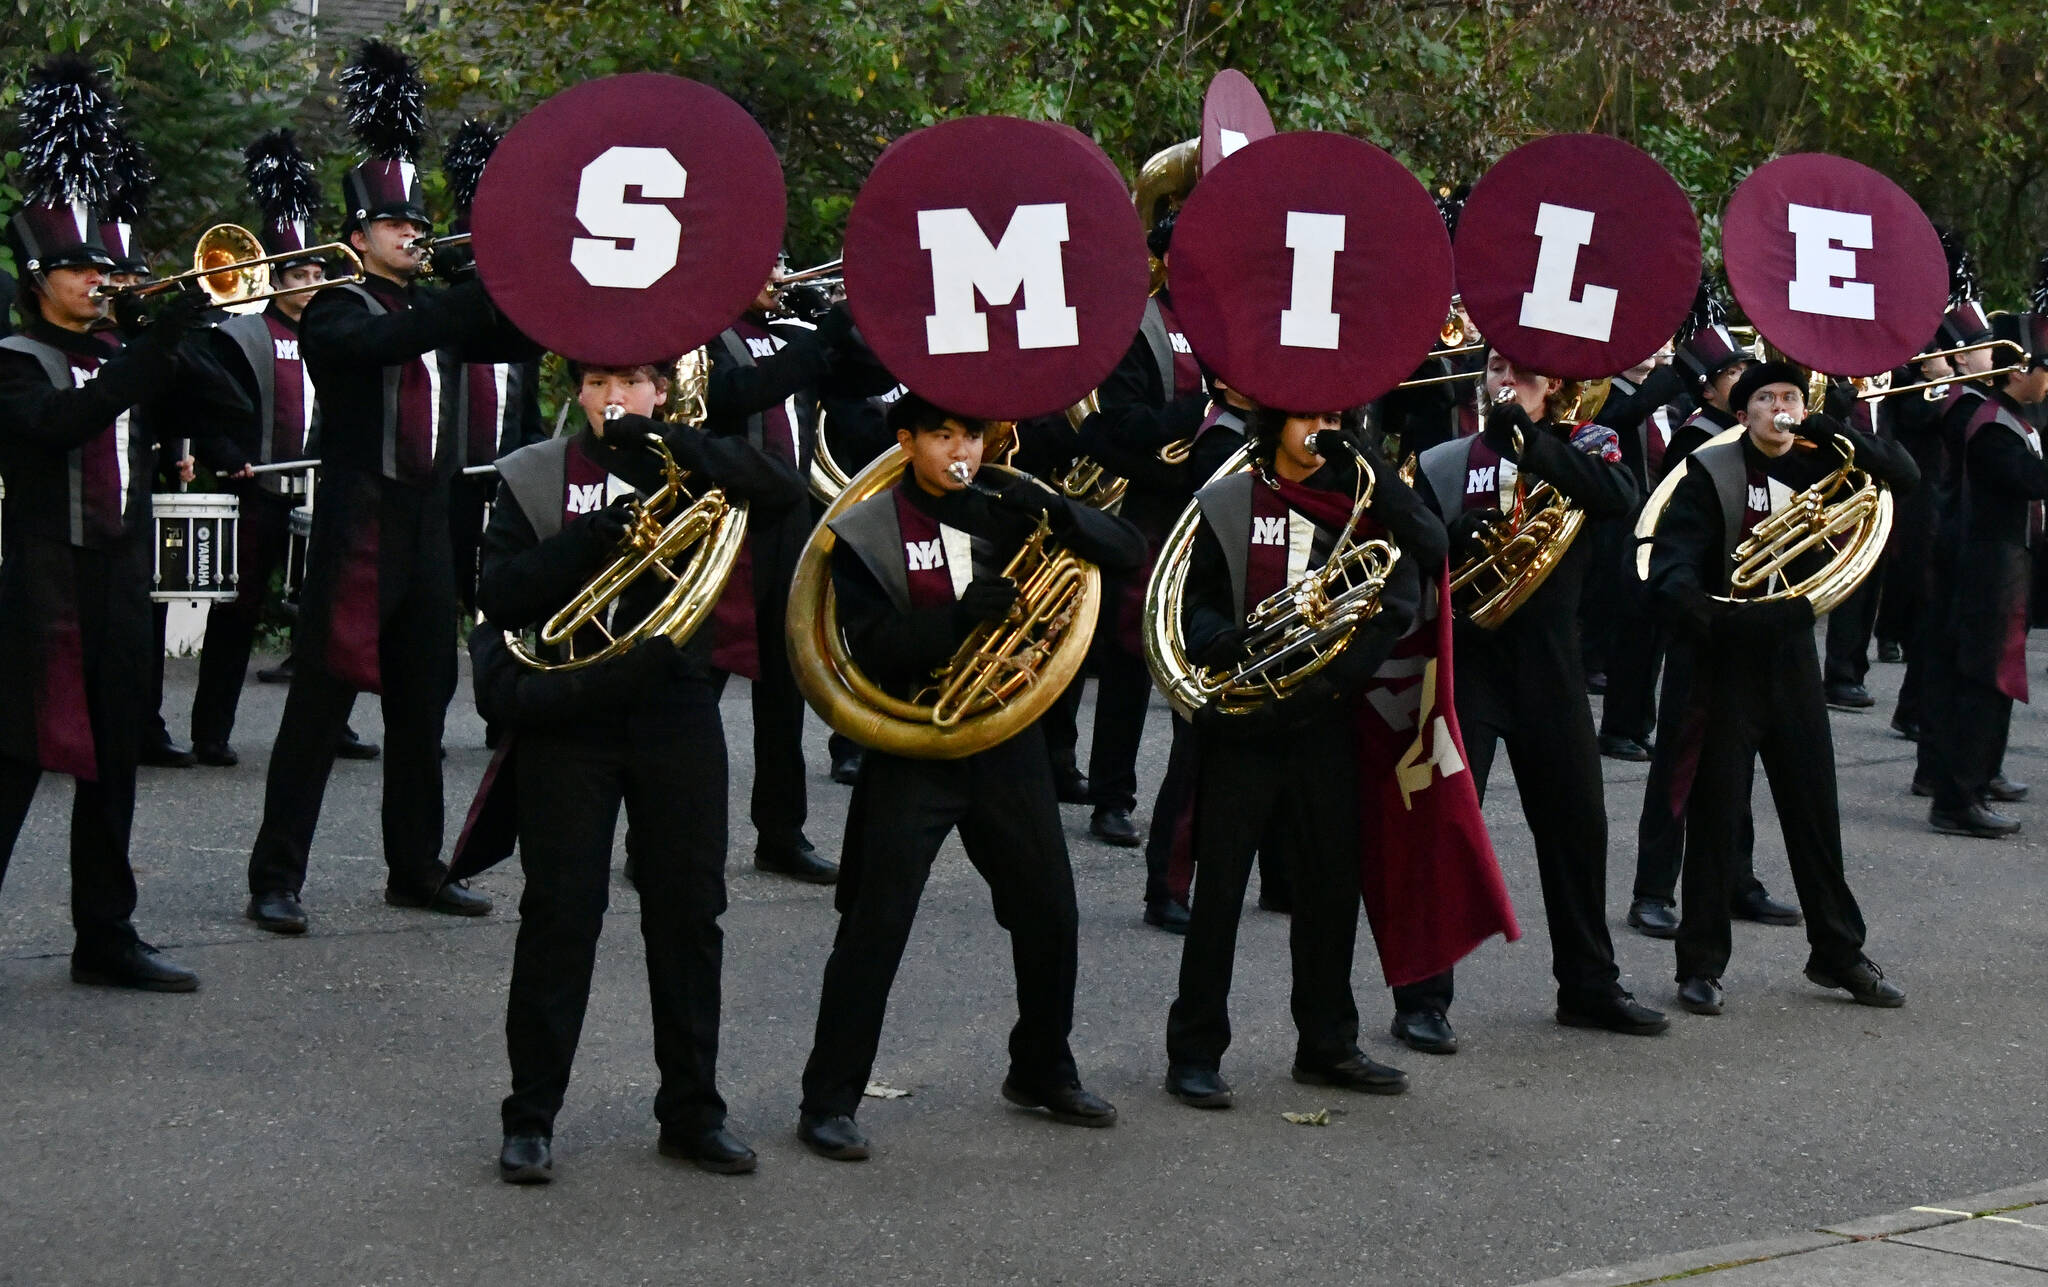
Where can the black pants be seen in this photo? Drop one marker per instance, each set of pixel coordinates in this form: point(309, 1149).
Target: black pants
point(1524, 691)
point(468, 496)
point(1765, 704)
point(1849, 629)
point(1300, 788)
point(779, 801)
point(231, 627)
point(1968, 742)
point(1600, 599)
point(1123, 688)
point(1660, 835)
point(901, 812)
point(1058, 723)
point(1633, 660)
point(570, 790)
point(113, 634)
point(416, 660)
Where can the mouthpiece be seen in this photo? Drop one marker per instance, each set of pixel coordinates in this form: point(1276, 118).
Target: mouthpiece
point(1505, 396)
point(613, 411)
point(1785, 421)
point(960, 473)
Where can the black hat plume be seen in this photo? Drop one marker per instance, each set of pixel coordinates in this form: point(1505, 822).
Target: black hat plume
point(68, 134)
point(463, 162)
point(384, 101)
point(281, 179)
point(1963, 287)
point(1708, 310)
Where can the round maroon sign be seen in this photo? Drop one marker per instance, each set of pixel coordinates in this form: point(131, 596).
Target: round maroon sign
point(1233, 115)
point(629, 219)
point(1311, 271)
point(996, 266)
point(1578, 256)
point(1834, 264)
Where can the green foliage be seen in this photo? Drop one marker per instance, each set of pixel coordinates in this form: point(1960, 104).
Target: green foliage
point(199, 80)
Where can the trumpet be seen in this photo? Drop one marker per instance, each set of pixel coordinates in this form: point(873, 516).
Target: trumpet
point(1929, 388)
point(425, 247)
point(1454, 376)
point(230, 268)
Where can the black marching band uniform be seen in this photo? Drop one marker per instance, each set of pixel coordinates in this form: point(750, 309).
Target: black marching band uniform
point(1980, 661)
point(378, 608)
point(642, 730)
point(1287, 774)
point(914, 573)
point(1711, 360)
point(76, 453)
point(1756, 688)
point(766, 378)
point(1524, 684)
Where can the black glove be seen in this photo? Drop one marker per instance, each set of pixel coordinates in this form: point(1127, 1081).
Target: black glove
point(1821, 428)
point(169, 315)
point(988, 598)
point(1501, 423)
point(608, 525)
point(1466, 529)
point(836, 331)
point(1223, 651)
point(1032, 500)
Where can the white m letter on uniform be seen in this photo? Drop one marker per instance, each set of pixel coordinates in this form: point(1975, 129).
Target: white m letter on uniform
point(924, 555)
point(1824, 243)
point(1548, 304)
point(1315, 239)
point(1028, 258)
point(1269, 531)
point(601, 207)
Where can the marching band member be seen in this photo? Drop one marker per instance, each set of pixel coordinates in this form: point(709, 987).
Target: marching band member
point(1997, 522)
point(901, 618)
point(1522, 684)
point(378, 607)
point(261, 352)
point(1292, 766)
point(765, 375)
point(642, 730)
point(1757, 689)
point(1712, 362)
point(75, 454)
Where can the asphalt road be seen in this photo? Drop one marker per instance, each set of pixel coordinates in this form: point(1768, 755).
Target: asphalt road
point(325, 1109)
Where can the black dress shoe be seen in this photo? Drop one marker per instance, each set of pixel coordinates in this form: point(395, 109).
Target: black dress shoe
point(1906, 728)
point(526, 1159)
point(1069, 1104)
point(796, 859)
point(1757, 905)
point(1701, 995)
point(1114, 827)
point(1654, 917)
point(1198, 1087)
point(1849, 696)
point(1863, 981)
point(1615, 1012)
point(834, 1137)
point(2004, 790)
point(163, 753)
point(1890, 651)
point(351, 747)
point(134, 965)
point(218, 754)
point(1977, 820)
point(281, 673)
point(1167, 915)
point(714, 1149)
point(1623, 748)
point(278, 911)
point(846, 768)
point(1922, 787)
point(1070, 785)
point(1359, 1073)
point(452, 899)
point(1425, 1030)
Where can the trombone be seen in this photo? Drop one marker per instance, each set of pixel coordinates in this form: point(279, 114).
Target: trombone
point(229, 266)
point(1959, 377)
point(1454, 376)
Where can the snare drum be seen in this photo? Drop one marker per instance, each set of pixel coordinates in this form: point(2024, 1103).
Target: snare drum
point(299, 528)
point(196, 552)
